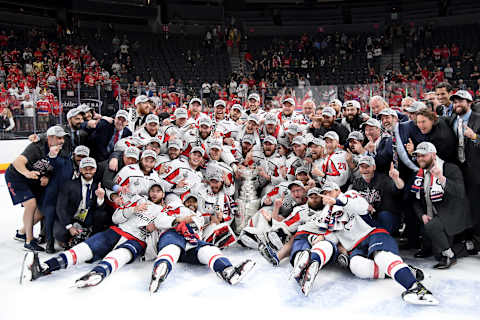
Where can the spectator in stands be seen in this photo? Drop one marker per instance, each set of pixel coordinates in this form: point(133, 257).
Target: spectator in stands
point(6, 123)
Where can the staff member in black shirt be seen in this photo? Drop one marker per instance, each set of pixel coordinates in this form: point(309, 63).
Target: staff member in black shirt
point(27, 176)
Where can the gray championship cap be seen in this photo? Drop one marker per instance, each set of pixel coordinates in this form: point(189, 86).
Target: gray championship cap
point(317, 142)
point(132, 152)
point(88, 162)
point(461, 94)
point(356, 135)
point(73, 112)
point(181, 113)
point(301, 169)
point(293, 129)
point(237, 107)
point(198, 149)
point(149, 153)
point(296, 183)
point(253, 118)
point(388, 112)
point(177, 144)
point(415, 107)
point(56, 131)
point(82, 151)
point(270, 119)
point(141, 98)
point(299, 140)
point(122, 113)
point(216, 144)
point(254, 96)
point(152, 118)
point(248, 138)
point(155, 140)
point(368, 160)
point(289, 100)
point(424, 148)
point(205, 121)
point(219, 102)
point(329, 112)
point(195, 100)
point(372, 122)
point(329, 186)
point(313, 191)
point(331, 135)
point(270, 139)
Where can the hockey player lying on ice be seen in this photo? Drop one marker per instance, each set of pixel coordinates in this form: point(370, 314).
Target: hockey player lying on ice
point(180, 229)
point(373, 252)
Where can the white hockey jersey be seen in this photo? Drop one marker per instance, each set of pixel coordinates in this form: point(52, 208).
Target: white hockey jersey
point(135, 223)
point(335, 168)
point(138, 183)
point(345, 221)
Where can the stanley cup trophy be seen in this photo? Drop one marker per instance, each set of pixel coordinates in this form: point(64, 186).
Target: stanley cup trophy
point(248, 202)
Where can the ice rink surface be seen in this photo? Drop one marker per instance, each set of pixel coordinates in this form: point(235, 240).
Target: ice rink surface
point(197, 293)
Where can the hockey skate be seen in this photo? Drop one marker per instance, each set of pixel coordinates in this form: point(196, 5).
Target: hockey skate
point(301, 261)
point(234, 275)
point(417, 272)
point(91, 279)
point(159, 274)
point(31, 268)
point(418, 294)
point(273, 239)
point(343, 260)
point(269, 254)
point(309, 276)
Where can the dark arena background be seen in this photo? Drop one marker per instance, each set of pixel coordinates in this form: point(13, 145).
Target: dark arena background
point(285, 103)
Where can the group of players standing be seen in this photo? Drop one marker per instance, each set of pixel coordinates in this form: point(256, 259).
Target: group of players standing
point(171, 190)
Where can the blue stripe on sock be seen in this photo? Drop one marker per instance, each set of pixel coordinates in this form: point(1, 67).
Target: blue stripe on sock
point(221, 263)
point(103, 267)
point(405, 277)
point(315, 257)
point(169, 265)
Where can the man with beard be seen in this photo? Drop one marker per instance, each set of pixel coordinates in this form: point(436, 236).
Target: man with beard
point(215, 150)
point(379, 145)
point(179, 127)
point(335, 167)
point(127, 157)
point(137, 117)
point(135, 179)
point(253, 105)
point(198, 137)
point(388, 118)
point(352, 116)
point(466, 126)
point(151, 128)
point(230, 129)
point(288, 114)
point(80, 206)
point(440, 202)
point(251, 128)
point(328, 123)
point(297, 158)
point(26, 177)
point(271, 128)
point(116, 246)
point(269, 164)
point(276, 205)
point(221, 209)
point(74, 128)
point(163, 160)
point(381, 192)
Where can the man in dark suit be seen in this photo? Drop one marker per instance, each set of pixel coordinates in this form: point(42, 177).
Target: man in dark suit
point(106, 134)
point(440, 202)
point(80, 206)
point(466, 126)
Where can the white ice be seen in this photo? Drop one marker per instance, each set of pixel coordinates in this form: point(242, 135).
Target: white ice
point(195, 292)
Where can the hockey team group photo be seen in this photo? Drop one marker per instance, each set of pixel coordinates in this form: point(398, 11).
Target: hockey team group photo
point(320, 157)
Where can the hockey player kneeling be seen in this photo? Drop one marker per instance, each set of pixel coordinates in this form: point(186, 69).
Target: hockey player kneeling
point(181, 241)
point(117, 246)
point(373, 252)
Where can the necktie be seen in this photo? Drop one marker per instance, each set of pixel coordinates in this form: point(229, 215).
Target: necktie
point(115, 138)
point(87, 198)
point(461, 141)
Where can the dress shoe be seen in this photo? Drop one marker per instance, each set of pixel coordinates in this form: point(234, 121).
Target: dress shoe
point(445, 263)
point(423, 253)
point(50, 248)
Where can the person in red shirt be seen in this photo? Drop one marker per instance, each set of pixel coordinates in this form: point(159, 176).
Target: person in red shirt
point(455, 52)
point(90, 80)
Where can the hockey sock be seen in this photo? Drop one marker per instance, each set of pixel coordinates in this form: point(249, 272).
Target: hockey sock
point(365, 268)
point(169, 254)
point(211, 256)
point(113, 261)
point(322, 252)
point(78, 254)
point(394, 267)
